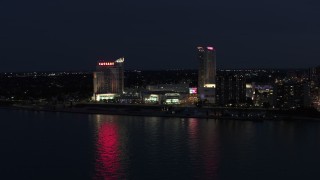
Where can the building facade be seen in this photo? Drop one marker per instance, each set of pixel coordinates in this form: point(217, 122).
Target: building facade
point(108, 80)
point(291, 94)
point(263, 95)
point(231, 90)
point(207, 73)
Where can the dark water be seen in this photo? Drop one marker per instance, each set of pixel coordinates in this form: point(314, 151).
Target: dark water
point(43, 145)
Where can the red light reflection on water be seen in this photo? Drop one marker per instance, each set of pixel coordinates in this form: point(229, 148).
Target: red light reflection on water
point(204, 146)
point(107, 160)
point(211, 151)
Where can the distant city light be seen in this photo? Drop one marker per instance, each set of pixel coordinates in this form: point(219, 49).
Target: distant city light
point(210, 48)
point(193, 90)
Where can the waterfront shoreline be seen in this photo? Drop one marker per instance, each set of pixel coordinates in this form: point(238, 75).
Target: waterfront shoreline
point(103, 112)
point(157, 114)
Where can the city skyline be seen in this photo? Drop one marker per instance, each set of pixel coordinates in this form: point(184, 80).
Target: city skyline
point(61, 36)
point(165, 89)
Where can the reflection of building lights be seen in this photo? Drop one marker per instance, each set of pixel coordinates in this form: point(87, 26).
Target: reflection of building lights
point(108, 162)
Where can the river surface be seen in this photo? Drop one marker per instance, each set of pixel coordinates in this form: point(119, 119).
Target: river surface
point(46, 145)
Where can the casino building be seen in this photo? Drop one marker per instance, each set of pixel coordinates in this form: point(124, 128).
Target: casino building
point(207, 73)
point(108, 79)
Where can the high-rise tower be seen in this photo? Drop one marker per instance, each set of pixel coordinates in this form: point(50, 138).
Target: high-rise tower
point(108, 80)
point(207, 73)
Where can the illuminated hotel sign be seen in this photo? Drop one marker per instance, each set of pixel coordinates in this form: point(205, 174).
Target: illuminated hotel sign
point(209, 85)
point(106, 63)
point(120, 60)
point(210, 48)
point(193, 90)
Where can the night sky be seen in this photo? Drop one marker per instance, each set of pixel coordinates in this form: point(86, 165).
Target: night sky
point(44, 35)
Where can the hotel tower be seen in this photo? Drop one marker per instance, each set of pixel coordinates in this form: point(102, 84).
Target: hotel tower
point(108, 80)
point(207, 73)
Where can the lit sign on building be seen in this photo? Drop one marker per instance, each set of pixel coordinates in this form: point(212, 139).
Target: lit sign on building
point(248, 85)
point(209, 85)
point(193, 90)
point(200, 48)
point(172, 98)
point(210, 48)
point(152, 98)
point(106, 63)
point(120, 60)
point(172, 101)
point(172, 94)
point(100, 97)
